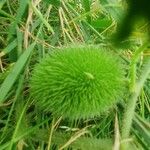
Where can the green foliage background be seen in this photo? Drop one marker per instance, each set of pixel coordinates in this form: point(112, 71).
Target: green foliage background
point(31, 29)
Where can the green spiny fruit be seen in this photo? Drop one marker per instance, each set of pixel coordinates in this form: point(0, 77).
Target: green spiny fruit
point(78, 83)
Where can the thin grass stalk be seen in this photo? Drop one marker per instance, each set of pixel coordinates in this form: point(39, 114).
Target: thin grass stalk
point(18, 92)
point(18, 125)
point(77, 28)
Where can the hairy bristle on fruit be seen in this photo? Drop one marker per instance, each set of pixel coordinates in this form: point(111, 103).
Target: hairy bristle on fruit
point(78, 83)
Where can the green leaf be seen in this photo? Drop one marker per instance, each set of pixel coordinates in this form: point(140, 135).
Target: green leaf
point(84, 143)
point(141, 129)
point(4, 74)
point(12, 77)
point(53, 2)
point(13, 55)
point(86, 4)
point(20, 12)
point(101, 23)
point(44, 21)
point(2, 2)
point(9, 48)
point(113, 7)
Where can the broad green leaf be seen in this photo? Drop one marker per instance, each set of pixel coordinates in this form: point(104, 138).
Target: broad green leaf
point(101, 23)
point(113, 7)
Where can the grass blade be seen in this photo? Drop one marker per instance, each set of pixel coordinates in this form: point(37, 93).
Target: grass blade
point(12, 77)
point(39, 14)
point(8, 49)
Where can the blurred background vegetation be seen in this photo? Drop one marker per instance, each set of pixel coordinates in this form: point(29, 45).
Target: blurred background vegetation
point(29, 29)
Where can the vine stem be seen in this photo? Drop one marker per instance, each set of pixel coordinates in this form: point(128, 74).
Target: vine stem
point(132, 71)
point(135, 89)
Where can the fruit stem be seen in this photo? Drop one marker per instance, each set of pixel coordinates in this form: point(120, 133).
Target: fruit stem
point(135, 88)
